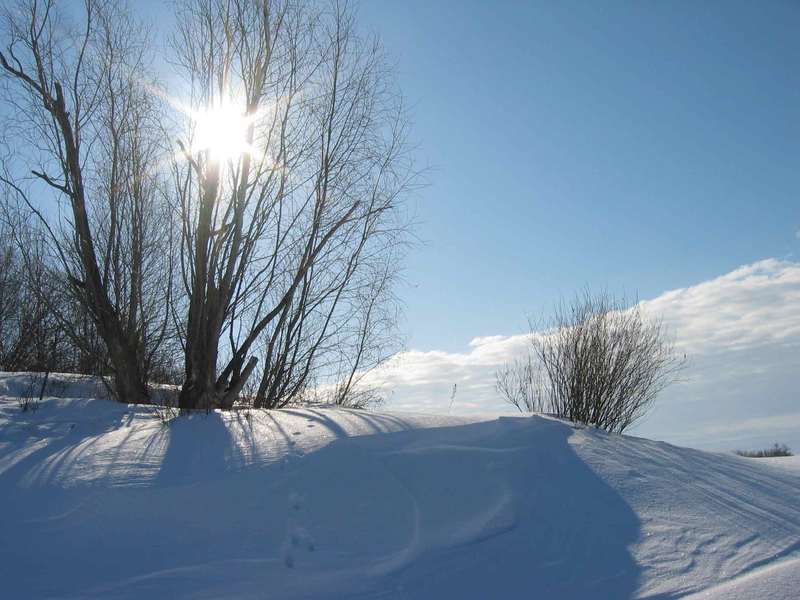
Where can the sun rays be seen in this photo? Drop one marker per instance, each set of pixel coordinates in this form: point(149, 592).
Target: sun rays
point(223, 131)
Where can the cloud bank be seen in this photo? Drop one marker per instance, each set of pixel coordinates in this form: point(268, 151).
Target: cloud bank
point(740, 332)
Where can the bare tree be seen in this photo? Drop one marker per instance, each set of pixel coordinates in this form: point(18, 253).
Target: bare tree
point(284, 240)
point(600, 362)
point(10, 291)
point(32, 337)
point(287, 246)
point(27, 333)
point(82, 132)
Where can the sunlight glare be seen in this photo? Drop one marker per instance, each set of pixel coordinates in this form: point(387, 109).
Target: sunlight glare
point(222, 131)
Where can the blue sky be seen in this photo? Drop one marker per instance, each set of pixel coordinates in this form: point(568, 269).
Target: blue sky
point(638, 146)
point(647, 148)
point(740, 332)
point(633, 146)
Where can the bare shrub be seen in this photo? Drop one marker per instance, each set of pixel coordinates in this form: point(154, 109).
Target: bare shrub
point(776, 450)
point(600, 361)
point(518, 383)
point(30, 339)
point(34, 392)
point(166, 409)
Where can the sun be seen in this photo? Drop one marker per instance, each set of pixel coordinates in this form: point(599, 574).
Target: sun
point(222, 132)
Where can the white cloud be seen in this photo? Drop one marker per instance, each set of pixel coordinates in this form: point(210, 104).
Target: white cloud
point(757, 424)
point(741, 332)
point(751, 306)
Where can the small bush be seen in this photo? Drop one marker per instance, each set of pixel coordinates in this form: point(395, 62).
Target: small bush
point(776, 450)
point(34, 392)
point(599, 361)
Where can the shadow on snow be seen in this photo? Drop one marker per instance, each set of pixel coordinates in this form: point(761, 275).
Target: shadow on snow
point(492, 509)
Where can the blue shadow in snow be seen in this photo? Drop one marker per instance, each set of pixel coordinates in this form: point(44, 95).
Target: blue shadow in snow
point(571, 533)
point(569, 538)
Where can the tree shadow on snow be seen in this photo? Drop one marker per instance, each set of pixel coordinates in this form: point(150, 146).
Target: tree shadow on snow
point(544, 525)
point(497, 509)
point(199, 446)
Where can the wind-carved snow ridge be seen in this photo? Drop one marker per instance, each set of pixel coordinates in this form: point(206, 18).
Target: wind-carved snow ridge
point(102, 500)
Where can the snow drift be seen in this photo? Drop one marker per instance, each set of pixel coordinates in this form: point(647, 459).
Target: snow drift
point(102, 500)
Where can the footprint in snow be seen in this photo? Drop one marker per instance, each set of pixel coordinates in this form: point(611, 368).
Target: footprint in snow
point(296, 500)
point(300, 538)
point(297, 538)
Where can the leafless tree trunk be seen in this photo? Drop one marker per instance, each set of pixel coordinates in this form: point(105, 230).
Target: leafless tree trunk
point(87, 128)
point(599, 362)
point(279, 239)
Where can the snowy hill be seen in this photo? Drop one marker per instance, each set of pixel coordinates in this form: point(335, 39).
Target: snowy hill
point(102, 500)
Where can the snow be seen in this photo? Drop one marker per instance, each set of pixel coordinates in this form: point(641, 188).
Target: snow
point(787, 463)
point(104, 500)
point(779, 580)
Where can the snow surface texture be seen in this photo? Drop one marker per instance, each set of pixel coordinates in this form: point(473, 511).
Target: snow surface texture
point(103, 500)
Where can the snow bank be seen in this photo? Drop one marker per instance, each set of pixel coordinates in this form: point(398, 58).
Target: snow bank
point(787, 463)
point(103, 500)
point(62, 385)
point(778, 580)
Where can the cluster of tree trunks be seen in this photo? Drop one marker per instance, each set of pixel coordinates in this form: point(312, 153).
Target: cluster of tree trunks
point(278, 261)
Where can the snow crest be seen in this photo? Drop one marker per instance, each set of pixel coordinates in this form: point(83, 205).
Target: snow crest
point(102, 500)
